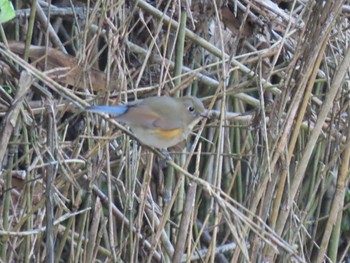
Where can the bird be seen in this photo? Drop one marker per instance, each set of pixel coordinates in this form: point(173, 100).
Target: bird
point(160, 121)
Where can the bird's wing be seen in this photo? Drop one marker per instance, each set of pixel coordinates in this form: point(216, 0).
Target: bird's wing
point(144, 116)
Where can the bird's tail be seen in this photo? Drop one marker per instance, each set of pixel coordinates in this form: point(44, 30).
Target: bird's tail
point(112, 110)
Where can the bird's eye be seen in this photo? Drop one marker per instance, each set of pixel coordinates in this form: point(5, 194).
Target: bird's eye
point(191, 109)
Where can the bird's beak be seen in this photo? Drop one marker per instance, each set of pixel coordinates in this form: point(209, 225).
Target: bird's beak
point(205, 114)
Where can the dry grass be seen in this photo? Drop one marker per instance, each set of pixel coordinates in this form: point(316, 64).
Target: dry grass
point(265, 180)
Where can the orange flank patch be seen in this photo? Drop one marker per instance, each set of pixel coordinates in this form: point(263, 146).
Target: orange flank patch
point(168, 134)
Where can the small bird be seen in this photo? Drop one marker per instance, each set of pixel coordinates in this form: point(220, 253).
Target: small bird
point(159, 122)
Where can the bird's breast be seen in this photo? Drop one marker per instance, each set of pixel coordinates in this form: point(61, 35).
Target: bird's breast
point(159, 138)
point(168, 134)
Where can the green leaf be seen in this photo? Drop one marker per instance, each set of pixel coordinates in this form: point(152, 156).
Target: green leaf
point(7, 12)
point(8, 89)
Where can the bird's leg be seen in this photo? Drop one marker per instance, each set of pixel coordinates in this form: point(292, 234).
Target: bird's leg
point(166, 154)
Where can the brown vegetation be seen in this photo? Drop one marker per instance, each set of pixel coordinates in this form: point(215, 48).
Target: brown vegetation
point(264, 180)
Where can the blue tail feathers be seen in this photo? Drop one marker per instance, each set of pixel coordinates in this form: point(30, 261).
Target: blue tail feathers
point(113, 110)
